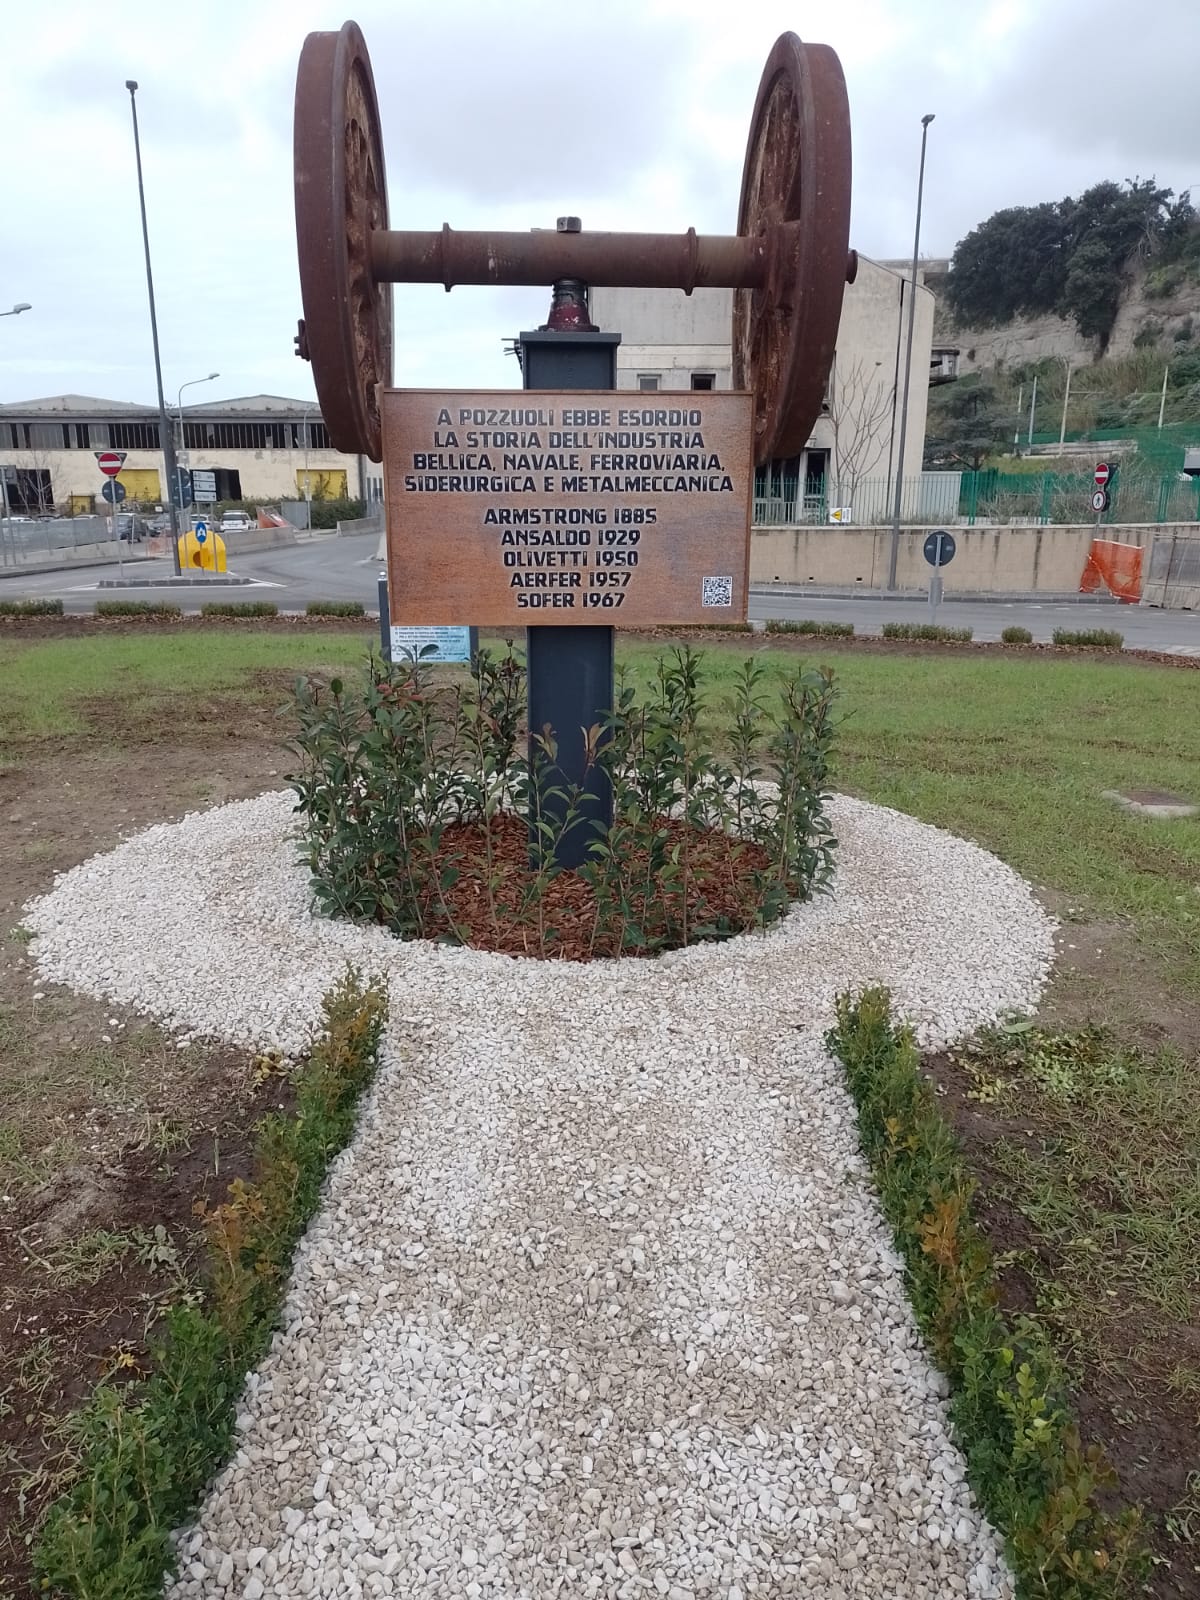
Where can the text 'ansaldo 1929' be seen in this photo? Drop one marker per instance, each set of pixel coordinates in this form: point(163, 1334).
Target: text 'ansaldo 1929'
point(607, 512)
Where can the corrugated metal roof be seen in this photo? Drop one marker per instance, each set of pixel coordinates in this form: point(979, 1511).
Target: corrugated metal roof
point(94, 408)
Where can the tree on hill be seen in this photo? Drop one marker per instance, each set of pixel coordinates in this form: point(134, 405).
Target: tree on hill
point(966, 425)
point(1067, 257)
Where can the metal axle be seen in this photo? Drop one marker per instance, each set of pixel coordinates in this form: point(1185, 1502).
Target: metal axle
point(684, 261)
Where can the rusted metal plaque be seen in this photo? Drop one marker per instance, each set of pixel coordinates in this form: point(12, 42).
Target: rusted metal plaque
point(515, 508)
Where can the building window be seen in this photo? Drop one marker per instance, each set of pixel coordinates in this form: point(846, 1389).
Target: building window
point(704, 380)
point(133, 435)
point(648, 380)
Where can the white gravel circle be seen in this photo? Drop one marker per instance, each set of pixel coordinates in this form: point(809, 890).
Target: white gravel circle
point(600, 1302)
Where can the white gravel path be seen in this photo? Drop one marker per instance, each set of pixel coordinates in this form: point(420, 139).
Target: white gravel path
point(600, 1302)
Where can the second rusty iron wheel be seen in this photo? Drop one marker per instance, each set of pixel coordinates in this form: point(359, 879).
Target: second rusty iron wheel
point(797, 171)
point(341, 197)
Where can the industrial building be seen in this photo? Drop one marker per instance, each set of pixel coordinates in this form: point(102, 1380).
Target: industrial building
point(847, 469)
point(264, 447)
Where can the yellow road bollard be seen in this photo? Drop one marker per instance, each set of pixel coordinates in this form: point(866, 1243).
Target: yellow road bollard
point(202, 552)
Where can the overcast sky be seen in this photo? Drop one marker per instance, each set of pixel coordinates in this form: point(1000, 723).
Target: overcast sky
point(630, 113)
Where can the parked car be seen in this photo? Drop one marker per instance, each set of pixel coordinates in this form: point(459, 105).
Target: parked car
point(236, 522)
point(130, 526)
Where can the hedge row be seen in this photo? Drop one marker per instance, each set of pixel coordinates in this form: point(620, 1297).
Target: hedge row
point(1040, 1486)
point(148, 1452)
point(821, 630)
point(927, 631)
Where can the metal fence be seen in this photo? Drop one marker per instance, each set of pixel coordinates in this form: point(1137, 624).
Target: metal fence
point(24, 540)
point(970, 498)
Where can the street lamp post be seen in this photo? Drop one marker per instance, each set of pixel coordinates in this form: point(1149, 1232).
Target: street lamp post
point(182, 440)
point(1062, 430)
point(22, 305)
point(164, 427)
point(894, 554)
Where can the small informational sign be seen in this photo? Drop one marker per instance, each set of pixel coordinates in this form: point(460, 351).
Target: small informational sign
point(519, 508)
point(204, 486)
point(433, 645)
point(939, 548)
point(841, 514)
point(1099, 500)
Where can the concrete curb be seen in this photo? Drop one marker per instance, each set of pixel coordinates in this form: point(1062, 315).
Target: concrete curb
point(34, 568)
point(788, 591)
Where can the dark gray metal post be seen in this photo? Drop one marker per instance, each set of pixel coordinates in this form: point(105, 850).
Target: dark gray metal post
point(166, 442)
point(571, 668)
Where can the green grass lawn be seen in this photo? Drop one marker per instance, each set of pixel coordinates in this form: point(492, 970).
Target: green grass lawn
point(1013, 753)
point(46, 686)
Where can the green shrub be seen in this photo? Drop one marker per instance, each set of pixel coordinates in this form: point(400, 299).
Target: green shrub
point(394, 776)
point(1017, 636)
point(239, 608)
point(335, 608)
point(31, 608)
point(149, 1451)
point(1088, 638)
point(137, 608)
point(328, 513)
point(1033, 1476)
point(927, 631)
point(821, 630)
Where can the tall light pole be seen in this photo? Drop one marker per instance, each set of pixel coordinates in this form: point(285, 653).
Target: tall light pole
point(1062, 430)
point(22, 305)
point(894, 554)
point(164, 427)
point(182, 440)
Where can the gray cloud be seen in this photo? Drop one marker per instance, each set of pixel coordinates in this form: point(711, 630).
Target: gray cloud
point(634, 115)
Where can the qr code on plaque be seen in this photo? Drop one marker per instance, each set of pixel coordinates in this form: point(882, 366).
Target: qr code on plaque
point(716, 591)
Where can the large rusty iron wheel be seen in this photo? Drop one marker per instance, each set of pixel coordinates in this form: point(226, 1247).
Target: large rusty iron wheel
point(797, 171)
point(341, 197)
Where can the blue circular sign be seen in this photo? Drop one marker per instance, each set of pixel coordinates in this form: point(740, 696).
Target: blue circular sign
point(939, 548)
point(200, 530)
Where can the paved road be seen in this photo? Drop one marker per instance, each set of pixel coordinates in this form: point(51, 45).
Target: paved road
point(346, 569)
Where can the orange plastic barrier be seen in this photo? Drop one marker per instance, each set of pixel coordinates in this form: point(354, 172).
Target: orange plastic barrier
point(1115, 567)
point(271, 519)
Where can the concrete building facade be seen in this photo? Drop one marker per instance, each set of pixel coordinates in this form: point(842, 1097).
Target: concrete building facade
point(670, 340)
point(263, 447)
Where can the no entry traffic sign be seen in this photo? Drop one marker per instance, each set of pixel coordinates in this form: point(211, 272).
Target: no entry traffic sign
point(110, 462)
point(1102, 474)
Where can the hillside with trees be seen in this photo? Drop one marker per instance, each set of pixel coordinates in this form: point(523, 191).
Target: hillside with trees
point(1105, 286)
point(1073, 258)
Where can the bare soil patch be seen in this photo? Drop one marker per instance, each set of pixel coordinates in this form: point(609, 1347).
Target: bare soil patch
point(109, 1132)
point(494, 902)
